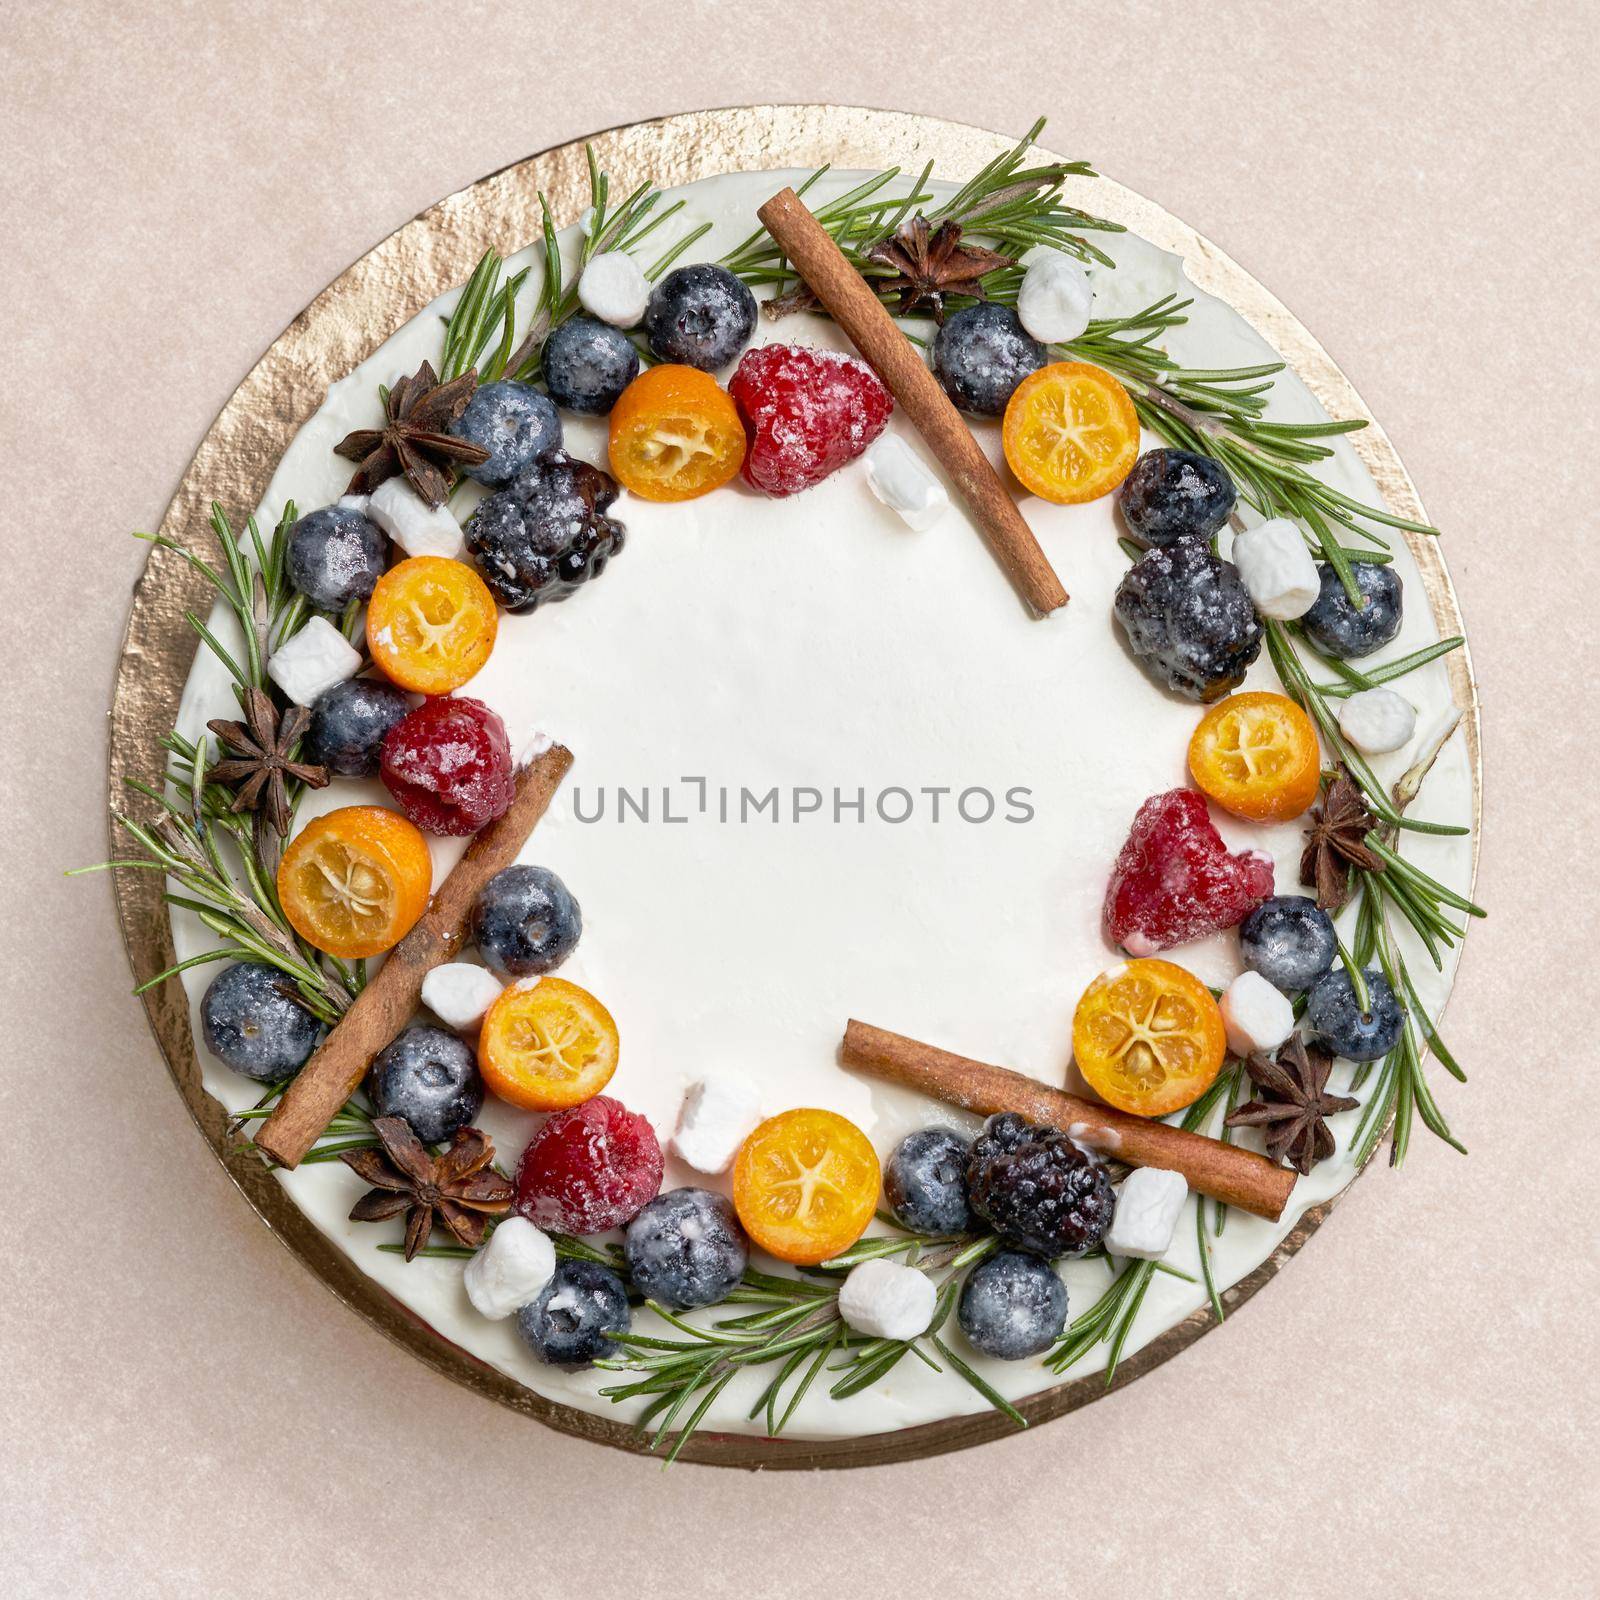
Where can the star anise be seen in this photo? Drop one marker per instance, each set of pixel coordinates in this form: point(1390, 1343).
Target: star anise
point(413, 439)
point(260, 768)
point(458, 1190)
point(1294, 1104)
point(1336, 841)
point(929, 264)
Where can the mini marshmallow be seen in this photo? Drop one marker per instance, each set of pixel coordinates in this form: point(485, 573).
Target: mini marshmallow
point(1256, 1016)
point(718, 1113)
point(1055, 299)
point(418, 528)
point(315, 659)
point(459, 993)
point(614, 289)
point(1377, 720)
point(355, 502)
point(510, 1270)
point(887, 1300)
point(905, 483)
point(1277, 569)
point(1149, 1204)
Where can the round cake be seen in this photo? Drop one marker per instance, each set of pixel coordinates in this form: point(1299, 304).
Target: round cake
point(830, 765)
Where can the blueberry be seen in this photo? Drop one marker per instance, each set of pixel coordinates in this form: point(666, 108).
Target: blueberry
point(335, 556)
point(348, 724)
point(1012, 1306)
point(925, 1182)
point(1335, 1021)
point(686, 1248)
point(701, 316)
point(568, 1324)
point(1189, 619)
point(1340, 629)
point(514, 423)
point(587, 365)
point(430, 1078)
point(254, 1022)
point(546, 532)
point(526, 921)
point(1289, 941)
point(981, 354)
point(1037, 1189)
point(1176, 494)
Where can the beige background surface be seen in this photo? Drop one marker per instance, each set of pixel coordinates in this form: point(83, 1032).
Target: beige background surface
point(1410, 1409)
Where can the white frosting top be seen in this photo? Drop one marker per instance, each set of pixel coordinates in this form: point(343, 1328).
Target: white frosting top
point(818, 647)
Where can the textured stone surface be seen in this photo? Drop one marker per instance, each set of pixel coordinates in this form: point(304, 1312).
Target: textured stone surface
point(179, 184)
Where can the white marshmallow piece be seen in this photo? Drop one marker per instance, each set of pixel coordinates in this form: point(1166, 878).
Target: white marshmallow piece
point(1149, 1204)
point(614, 289)
point(887, 1300)
point(459, 993)
point(1377, 721)
point(510, 1270)
point(905, 483)
point(355, 502)
point(1055, 299)
point(1256, 1016)
point(1277, 569)
point(718, 1114)
point(315, 659)
point(418, 528)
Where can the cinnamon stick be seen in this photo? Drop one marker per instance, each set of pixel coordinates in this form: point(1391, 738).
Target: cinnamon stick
point(892, 356)
point(1210, 1167)
point(388, 1003)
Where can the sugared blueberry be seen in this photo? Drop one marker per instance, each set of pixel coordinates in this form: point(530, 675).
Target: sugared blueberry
point(1335, 1020)
point(545, 533)
point(514, 423)
point(1012, 1306)
point(925, 1182)
point(686, 1248)
point(349, 723)
point(449, 765)
point(1338, 628)
point(700, 316)
point(1176, 494)
point(981, 354)
point(577, 1311)
point(1189, 619)
point(1037, 1189)
point(254, 1022)
point(526, 921)
point(587, 365)
point(1289, 941)
point(430, 1078)
point(335, 556)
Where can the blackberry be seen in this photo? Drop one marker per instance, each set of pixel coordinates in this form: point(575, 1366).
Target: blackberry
point(700, 316)
point(545, 533)
point(1337, 1022)
point(336, 555)
point(981, 354)
point(514, 423)
point(1189, 619)
point(1340, 629)
point(430, 1078)
point(686, 1248)
point(349, 723)
point(587, 365)
point(1176, 494)
point(1012, 1306)
point(1037, 1189)
point(568, 1325)
point(925, 1182)
point(1289, 941)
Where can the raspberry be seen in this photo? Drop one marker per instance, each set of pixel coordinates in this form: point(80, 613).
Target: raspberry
point(1175, 882)
point(806, 413)
point(589, 1169)
point(448, 763)
point(1037, 1189)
